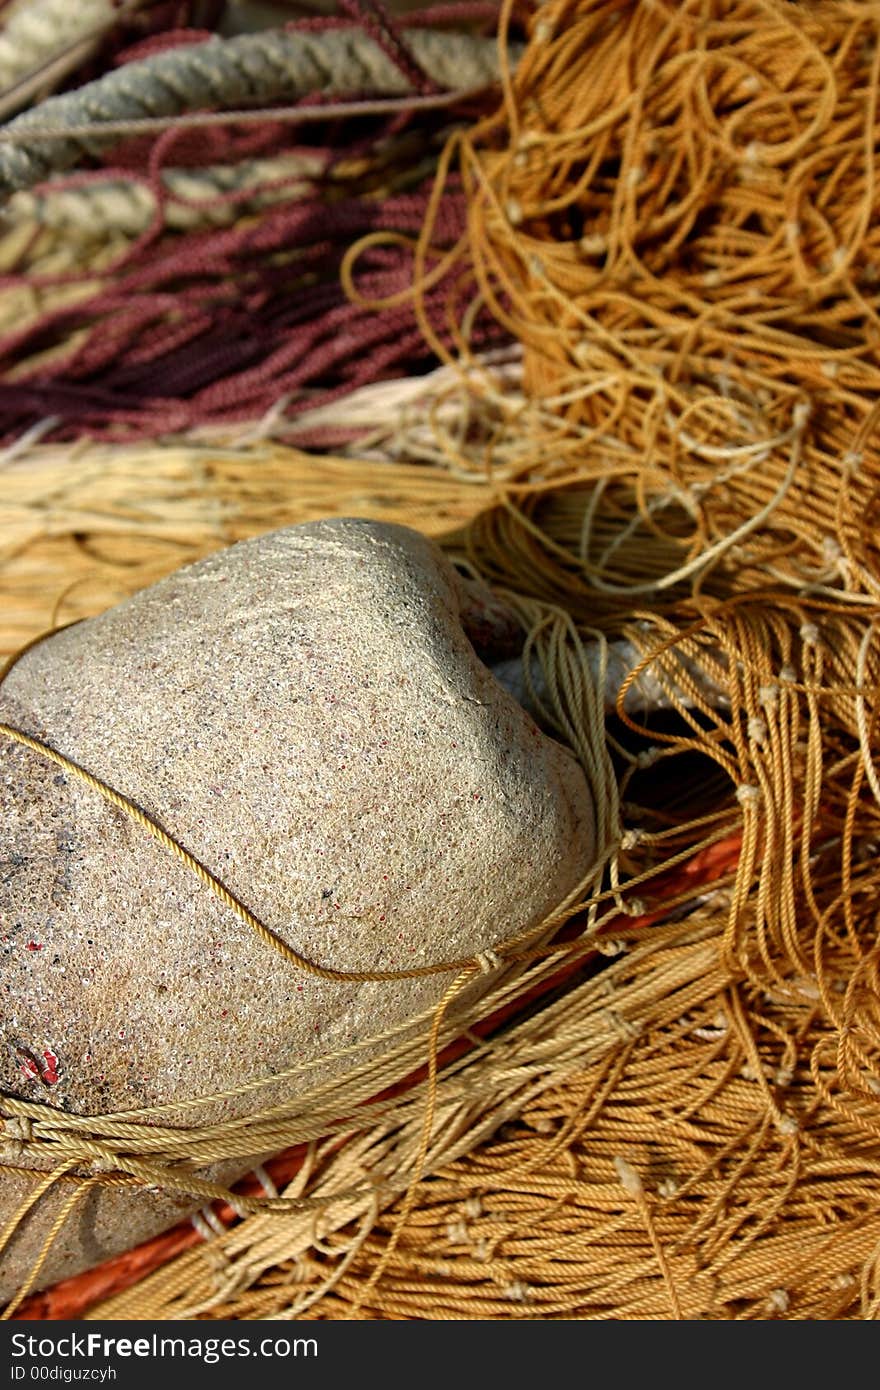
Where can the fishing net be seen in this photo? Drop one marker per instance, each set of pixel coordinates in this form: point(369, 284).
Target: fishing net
point(671, 1110)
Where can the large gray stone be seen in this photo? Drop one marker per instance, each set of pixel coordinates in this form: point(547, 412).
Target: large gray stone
point(307, 715)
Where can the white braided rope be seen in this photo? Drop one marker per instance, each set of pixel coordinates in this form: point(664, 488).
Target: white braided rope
point(221, 73)
point(36, 32)
point(129, 205)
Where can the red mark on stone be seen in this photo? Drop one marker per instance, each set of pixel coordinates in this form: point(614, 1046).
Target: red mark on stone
point(35, 945)
point(29, 1068)
point(33, 1068)
point(50, 1067)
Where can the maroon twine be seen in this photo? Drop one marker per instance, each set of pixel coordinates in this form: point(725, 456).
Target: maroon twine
point(216, 327)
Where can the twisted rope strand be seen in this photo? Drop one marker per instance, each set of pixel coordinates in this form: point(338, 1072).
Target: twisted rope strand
point(227, 73)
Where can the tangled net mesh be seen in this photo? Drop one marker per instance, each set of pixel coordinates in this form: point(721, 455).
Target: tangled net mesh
point(674, 213)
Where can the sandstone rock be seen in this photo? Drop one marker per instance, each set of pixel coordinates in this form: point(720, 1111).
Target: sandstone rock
point(305, 713)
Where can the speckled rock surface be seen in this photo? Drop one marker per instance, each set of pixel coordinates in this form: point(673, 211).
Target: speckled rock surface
point(306, 714)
